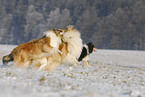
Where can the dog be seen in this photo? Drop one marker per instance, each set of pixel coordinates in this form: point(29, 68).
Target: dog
point(70, 47)
point(86, 51)
point(75, 44)
point(24, 54)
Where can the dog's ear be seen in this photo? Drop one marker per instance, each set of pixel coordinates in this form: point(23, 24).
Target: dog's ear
point(61, 31)
point(53, 29)
point(69, 27)
point(93, 46)
point(90, 43)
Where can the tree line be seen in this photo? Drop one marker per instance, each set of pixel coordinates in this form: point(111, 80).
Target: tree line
point(109, 24)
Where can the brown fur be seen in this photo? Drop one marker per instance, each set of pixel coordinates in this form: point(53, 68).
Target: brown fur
point(39, 52)
point(32, 50)
point(52, 61)
point(62, 31)
point(24, 54)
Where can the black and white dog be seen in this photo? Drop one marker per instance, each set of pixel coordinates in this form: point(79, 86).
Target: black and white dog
point(86, 51)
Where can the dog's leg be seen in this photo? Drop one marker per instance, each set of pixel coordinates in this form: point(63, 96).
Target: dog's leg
point(72, 59)
point(87, 63)
point(43, 63)
point(27, 64)
point(76, 62)
point(36, 63)
point(52, 66)
point(70, 68)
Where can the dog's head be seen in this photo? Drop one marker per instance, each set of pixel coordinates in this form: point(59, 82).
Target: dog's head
point(67, 29)
point(91, 47)
point(55, 32)
point(68, 33)
point(86, 50)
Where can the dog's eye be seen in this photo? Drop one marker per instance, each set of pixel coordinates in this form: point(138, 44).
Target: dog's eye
point(53, 30)
point(60, 30)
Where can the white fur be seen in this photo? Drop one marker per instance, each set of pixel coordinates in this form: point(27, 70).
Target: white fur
point(55, 41)
point(48, 64)
point(43, 62)
point(74, 46)
point(87, 48)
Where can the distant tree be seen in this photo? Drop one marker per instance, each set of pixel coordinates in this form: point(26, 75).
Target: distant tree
point(87, 23)
point(138, 16)
point(116, 24)
point(58, 19)
point(33, 19)
point(103, 34)
point(119, 25)
point(5, 33)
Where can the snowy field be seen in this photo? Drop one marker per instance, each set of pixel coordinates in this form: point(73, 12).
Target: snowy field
point(112, 73)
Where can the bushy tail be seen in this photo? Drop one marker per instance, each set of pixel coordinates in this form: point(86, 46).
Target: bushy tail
point(7, 59)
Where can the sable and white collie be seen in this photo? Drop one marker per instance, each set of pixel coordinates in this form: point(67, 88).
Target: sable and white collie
point(70, 49)
point(24, 54)
point(86, 51)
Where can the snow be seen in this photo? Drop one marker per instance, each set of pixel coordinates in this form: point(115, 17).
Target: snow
point(112, 73)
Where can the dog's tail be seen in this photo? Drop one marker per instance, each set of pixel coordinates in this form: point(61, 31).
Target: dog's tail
point(7, 59)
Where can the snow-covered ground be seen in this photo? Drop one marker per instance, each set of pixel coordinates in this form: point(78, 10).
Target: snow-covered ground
point(112, 73)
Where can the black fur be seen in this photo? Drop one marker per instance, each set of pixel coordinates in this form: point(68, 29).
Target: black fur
point(90, 46)
point(84, 52)
point(7, 59)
